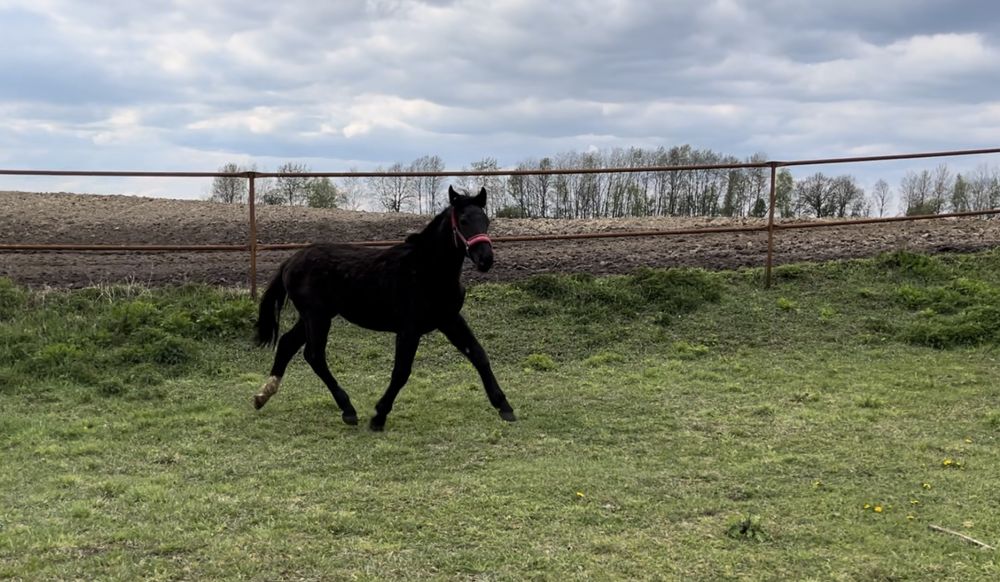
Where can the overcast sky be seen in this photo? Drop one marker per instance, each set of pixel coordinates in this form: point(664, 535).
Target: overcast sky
point(190, 85)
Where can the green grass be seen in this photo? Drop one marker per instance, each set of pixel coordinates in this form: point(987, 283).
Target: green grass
point(674, 425)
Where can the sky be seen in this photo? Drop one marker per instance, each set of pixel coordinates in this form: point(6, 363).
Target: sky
point(190, 85)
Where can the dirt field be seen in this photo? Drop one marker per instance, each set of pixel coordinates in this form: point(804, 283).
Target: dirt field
point(72, 218)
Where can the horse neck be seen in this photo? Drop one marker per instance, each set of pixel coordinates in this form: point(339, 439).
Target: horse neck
point(437, 246)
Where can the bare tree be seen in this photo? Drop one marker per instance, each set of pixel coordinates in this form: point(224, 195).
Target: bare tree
point(393, 193)
point(847, 198)
point(495, 185)
point(229, 189)
point(565, 187)
point(812, 196)
point(822, 196)
point(529, 194)
point(984, 188)
point(944, 184)
point(517, 191)
point(426, 188)
point(941, 188)
point(640, 193)
point(880, 196)
point(352, 192)
point(539, 186)
point(291, 190)
point(916, 193)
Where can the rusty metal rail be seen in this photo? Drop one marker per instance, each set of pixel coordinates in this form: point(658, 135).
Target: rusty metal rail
point(254, 246)
point(111, 248)
point(497, 239)
point(366, 243)
point(857, 221)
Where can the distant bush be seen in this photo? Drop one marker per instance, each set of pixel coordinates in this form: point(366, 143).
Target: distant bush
point(12, 299)
point(975, 325)
point(963, 311)
point(663, 293)
point(912, 264)
point(677, 291)
point(91, 335)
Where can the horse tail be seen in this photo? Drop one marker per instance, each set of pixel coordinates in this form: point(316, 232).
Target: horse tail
point(268, 319)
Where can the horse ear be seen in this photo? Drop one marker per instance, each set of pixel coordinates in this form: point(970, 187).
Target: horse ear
point(480, 199)
point(452, 195)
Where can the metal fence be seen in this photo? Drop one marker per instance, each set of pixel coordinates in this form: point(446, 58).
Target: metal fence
point(253, 245)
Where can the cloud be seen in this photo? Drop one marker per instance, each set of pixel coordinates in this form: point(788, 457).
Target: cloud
point(120, 84)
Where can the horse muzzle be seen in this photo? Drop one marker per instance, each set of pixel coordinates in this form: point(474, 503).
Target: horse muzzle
point(482, 256)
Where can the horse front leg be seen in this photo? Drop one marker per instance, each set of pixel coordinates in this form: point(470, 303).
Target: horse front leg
point(459, 334)
point(406, 350)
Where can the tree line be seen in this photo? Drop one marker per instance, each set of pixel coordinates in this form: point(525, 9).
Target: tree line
point(283, 190)
point(734, 193)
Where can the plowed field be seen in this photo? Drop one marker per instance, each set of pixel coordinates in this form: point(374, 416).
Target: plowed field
point(91, 219)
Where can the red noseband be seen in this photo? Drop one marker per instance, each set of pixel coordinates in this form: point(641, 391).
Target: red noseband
point(474, 240)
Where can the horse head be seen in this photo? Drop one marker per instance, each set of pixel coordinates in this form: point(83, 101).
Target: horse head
point(469, 224)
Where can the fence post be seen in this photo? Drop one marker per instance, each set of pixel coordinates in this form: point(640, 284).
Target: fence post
point(770, 228)
point(251, 199)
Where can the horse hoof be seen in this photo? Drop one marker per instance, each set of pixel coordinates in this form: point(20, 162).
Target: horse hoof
point(508, 415)
point(377, 425)
point(259, 400)
point(351, 419)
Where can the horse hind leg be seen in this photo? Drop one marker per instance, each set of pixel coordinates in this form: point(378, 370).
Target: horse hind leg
point(317, 330)
point(269, 389)
point(288, 345)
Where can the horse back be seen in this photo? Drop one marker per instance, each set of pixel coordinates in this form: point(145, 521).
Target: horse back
point(381, 289)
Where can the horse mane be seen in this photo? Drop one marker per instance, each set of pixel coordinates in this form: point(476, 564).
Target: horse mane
point(429, 231)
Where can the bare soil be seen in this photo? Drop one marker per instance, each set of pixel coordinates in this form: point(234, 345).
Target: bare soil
point(91, 219)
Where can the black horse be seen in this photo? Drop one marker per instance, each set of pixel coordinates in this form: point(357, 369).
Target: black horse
point(409, 289)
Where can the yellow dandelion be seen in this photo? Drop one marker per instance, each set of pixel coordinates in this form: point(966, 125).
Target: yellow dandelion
point(947, 462)
point(968, 441)
point(926, 485)
point(868, 506)
point(580, 494)
point(878, 509)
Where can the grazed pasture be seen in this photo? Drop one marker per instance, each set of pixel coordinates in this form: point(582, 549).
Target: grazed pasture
point(674, 425)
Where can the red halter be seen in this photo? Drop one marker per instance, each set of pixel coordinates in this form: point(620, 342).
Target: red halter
point(479, 238)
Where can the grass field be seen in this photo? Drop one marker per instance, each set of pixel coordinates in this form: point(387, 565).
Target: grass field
point(674, 425)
